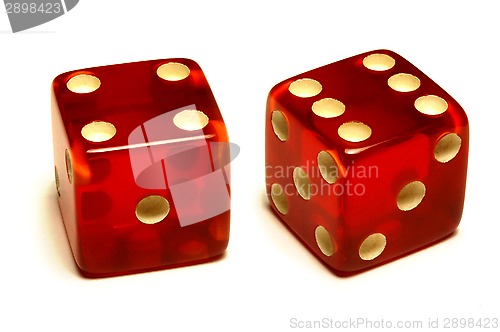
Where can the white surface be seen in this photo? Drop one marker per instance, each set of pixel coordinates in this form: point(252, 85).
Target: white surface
point(267, 277)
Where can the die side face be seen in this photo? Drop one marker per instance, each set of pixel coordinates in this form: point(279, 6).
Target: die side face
point(384, 150)
point(142, 166)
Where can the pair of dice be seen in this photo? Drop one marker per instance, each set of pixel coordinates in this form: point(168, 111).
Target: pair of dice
point(366, 160)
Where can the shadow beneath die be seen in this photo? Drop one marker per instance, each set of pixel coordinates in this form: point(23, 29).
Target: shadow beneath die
point(53, 233)
point(191, 264)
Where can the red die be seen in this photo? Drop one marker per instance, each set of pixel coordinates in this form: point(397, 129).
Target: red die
point(142, 166)
point(366, 159)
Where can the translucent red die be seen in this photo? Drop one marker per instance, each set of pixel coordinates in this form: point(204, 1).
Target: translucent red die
point(142, 166)
point(366, 159)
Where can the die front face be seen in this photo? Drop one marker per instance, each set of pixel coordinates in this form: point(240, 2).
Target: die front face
point(142, 166)
point(366, 159)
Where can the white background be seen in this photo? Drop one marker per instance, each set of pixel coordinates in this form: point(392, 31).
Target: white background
point(267, 277)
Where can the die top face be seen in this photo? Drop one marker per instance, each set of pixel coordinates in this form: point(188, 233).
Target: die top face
point(367, 100)
point(146, 156)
